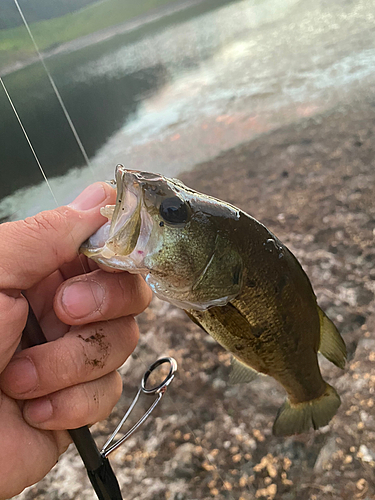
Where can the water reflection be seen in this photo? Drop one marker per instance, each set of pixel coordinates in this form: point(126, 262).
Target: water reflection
point(97, 109)
point(101, 86)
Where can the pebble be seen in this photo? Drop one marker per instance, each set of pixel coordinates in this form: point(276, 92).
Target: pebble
point(365, 454)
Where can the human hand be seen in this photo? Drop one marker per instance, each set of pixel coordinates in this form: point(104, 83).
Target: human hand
point(88, 320)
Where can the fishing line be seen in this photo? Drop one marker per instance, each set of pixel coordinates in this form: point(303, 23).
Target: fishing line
point(66, 114)
point(63, 107)
point(37, 161)
point(55, 89)
point(97, 466)
point(28, 139)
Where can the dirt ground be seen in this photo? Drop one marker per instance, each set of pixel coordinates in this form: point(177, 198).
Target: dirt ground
point(311, 183)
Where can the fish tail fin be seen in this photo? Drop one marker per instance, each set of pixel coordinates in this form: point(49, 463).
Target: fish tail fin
point(301, 417)
point(331, 345)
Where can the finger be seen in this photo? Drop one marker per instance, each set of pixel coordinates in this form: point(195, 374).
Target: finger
point(50, 239)
point(80, 265)
point(13, 315)
point(85, 354)
point(99, 296)
point(35, 452)
point(76, 406)
point(41, 298)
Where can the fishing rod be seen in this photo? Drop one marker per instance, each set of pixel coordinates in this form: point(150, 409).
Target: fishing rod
point(96, 462)
point(98, 467)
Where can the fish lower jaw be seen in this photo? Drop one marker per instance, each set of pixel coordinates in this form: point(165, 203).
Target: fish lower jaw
point(109, 258)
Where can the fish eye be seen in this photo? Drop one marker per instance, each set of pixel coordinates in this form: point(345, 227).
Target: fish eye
point(174, 210)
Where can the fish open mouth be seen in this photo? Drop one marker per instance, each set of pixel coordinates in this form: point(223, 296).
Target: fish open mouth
point(121, 242)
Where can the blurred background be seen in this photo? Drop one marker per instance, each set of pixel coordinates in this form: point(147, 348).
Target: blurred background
point(162, 85)
point(268, 104)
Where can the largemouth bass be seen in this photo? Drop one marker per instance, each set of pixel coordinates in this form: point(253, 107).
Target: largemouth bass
point(234, 278)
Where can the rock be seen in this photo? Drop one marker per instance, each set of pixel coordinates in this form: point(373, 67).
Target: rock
point(365, 454)
point(325, 455)
point(182, 463)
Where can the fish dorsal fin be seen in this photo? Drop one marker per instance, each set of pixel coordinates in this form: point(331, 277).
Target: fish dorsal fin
point(331, 345)
point(241, 373)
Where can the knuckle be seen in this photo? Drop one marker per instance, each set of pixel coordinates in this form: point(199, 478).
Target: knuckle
point(136, 292)
point(108, 394)
point(48, 226)
point(95, 400)
point(56, 225)
point(85, 405)
point(115, 391)
point(43, 222)
point(130, 333)
point(13, 310)
point(66, 363)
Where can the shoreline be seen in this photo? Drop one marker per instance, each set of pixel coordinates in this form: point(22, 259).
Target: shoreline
point(104, 34)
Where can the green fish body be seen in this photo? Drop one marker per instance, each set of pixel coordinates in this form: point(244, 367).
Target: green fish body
point(234, 278)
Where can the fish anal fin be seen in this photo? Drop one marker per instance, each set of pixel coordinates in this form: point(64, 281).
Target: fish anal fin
point(301, 417)
point(241, 373)
point(331, 345)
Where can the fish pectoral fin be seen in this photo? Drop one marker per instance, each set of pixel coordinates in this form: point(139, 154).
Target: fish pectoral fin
point(331, 345)
point(194, 319)
point(241, 373)
point(301, 417)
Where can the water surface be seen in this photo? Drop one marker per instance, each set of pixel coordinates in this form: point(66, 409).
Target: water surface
point(176, 92)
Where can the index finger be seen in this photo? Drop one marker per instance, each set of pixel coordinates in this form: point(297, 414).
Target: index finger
point(35, 247)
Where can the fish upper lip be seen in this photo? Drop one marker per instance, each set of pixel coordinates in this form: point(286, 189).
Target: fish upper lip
point(139, 175)
point(123, 208)
point(127, 216)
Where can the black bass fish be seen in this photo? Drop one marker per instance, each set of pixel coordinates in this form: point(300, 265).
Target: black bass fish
point(234, 278)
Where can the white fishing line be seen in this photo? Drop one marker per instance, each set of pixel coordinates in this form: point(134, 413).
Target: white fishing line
point(28, 139)
point(67, 116)
point(55, 89)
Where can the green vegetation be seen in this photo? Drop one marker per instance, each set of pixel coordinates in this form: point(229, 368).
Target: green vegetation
point(15, 43)
point(37, 10)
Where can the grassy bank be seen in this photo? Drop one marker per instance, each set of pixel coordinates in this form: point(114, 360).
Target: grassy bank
point(15, 44)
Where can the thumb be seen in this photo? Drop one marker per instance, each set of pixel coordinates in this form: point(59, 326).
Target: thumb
point(33, 248)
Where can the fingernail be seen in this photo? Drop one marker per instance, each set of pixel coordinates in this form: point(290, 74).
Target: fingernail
point(22, 375)
point(82, 298)
point(91, 197)
point(38, 411)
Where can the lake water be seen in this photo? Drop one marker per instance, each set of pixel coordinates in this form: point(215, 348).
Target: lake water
point(177, 91)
